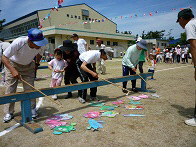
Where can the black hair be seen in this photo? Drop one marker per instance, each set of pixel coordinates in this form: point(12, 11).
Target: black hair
point(58, 52)
point(188, 16)
point(2, 39)
point(102, 51)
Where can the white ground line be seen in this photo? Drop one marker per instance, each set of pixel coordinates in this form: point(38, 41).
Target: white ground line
point(172, 68)
point(9, 129)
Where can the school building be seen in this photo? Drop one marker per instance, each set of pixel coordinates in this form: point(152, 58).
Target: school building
point(60, 25)
point(161, 43)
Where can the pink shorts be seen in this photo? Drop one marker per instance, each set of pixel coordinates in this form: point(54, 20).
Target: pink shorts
point(56, 82)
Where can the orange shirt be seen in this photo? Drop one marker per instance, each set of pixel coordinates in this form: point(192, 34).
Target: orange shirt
point(157, 51)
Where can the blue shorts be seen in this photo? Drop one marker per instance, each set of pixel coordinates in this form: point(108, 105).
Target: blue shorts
point(151, 70)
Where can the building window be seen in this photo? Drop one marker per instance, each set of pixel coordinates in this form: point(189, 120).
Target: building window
point(67, 15)
point(92, 42)
point(108, 42)
point(78, 17)
point(51, 40)
point(115, 43)
point(157, 43)
point(163, 44)
point(71, 16)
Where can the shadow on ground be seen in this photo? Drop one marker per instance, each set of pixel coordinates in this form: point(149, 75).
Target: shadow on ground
point(186, 112)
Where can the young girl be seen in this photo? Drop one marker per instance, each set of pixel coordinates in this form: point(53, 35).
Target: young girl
point(152, 65)
point(183, 57)
point(171, 55)
point(167, 56)
point(57, 66)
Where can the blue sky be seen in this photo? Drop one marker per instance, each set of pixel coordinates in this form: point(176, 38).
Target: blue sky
point(164, 19)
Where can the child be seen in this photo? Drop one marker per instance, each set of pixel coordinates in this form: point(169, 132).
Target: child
point(183, 57)
point(152, 65)
point(171, 55)
point(167, 56)
point(58, 66)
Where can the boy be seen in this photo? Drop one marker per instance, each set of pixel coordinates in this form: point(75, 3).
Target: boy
point(130, 60)
point(183, 57)
point(86, 71)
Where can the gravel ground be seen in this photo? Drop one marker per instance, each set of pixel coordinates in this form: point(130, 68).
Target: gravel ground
point(163, 124)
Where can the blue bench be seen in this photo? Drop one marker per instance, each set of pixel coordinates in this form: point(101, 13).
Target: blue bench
point(26, 118)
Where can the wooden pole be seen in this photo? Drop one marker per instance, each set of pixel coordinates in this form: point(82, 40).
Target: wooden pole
point(60, 105)
point(116, 85)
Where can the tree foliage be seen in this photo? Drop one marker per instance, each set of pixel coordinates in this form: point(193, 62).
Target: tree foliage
point(153, 34)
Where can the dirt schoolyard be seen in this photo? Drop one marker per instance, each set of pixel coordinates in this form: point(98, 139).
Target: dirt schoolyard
point(162, 126)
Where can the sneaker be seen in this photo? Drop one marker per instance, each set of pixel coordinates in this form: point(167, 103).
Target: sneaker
point(134, 90)
point(69, 95)
point(81, 100)
point(94, 99)
point(7, 118)
point(124, 91)
point(34, 113)
point(54, 97)
point(191, 122)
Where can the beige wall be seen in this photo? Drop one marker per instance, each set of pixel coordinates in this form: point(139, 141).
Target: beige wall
point(123, 44)
point(60, 17)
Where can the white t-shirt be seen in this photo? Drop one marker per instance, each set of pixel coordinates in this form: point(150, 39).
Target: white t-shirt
point(100, 47)
point(20, 52)
point(167, 55)
point(183, 55)
point(152, 64)
point(57, 65)
point(170, 55)
point(81, 45)
point(3, 46)
point(186, 50)
point(190, 29)
point(91, 56)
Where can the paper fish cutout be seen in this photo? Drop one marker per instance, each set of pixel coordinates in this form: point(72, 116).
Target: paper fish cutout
point(132, 107)
point(135, 102)
point(143, 96)
point(94, 125)
point(92, 114)
point(126, 115)
point(65, 129)
point(118, 102)
point(96, 104)
point(54, 123)
point(108, 107)
point(109, 114)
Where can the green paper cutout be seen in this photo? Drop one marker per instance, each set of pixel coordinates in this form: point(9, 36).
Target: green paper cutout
point(88, 128)
point(73, 124)
point(107, 107)
point(64, 129)
point(99, 104)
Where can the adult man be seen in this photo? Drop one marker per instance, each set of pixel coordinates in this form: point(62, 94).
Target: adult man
point(3, 46)
point(87, 71)
point(101, 64)
point(188, 22)
point(186, 49)
point(71, 54)
point(18, 60)
point(82, 45)
point(130, 60)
